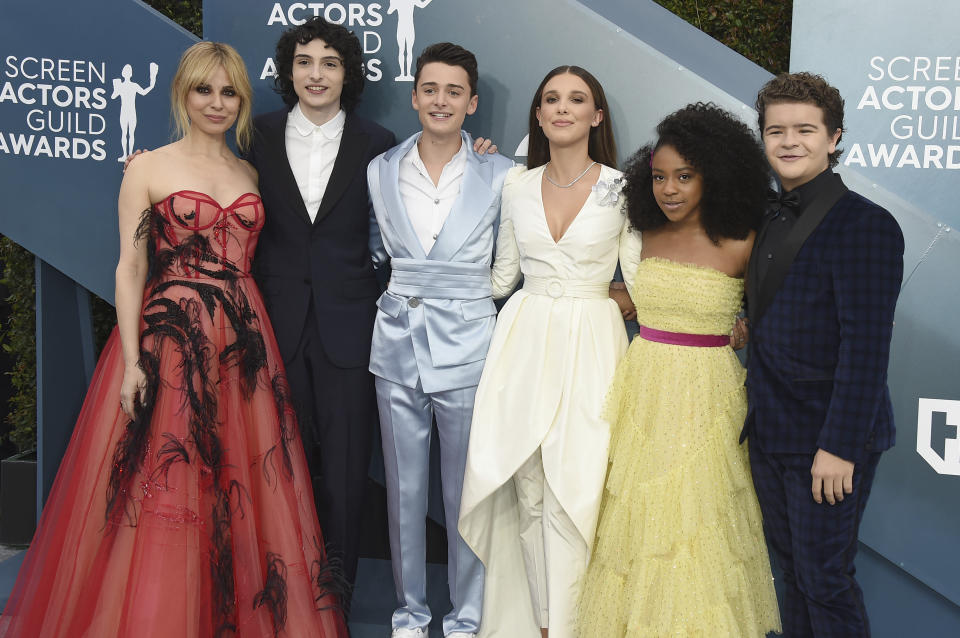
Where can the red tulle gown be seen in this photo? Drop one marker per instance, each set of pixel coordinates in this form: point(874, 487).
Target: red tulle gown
point(196, 519)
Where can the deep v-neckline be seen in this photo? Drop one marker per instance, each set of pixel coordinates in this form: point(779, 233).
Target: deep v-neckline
point(543, 208)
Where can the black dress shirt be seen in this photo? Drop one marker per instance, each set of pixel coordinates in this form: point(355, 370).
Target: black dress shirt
point(781, 216)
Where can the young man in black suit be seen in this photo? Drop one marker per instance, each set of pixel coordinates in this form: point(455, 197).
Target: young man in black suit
point(313, 262)
point(822, 287)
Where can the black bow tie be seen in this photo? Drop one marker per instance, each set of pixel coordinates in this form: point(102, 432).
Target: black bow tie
point(779, 201)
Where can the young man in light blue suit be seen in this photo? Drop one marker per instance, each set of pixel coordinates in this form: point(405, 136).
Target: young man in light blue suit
point(437, 203)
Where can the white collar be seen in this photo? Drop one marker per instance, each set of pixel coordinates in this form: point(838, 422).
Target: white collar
point(413, 156)
point(330, 129)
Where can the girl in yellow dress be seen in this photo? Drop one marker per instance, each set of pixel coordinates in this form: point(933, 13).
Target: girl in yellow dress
point(679, 548)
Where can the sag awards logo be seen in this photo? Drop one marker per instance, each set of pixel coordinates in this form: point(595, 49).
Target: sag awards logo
point(57, 108)
point(364, 19)
point(921, 98)
point(937, 419)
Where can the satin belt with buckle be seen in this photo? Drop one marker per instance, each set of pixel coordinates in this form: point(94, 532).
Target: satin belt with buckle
point(574, 288)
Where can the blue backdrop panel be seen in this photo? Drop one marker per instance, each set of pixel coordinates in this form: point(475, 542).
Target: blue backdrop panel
point(675, 38)
point(64, 367)
point(60, 66)
point(60, 184)
point(912, 520)
point(899, 71)
point(914, 527)
point(74, 84)
point(901, 606)
point(516, 44)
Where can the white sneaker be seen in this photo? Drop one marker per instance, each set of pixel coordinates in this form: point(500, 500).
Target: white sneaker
point(416, 632)
point(460, 634)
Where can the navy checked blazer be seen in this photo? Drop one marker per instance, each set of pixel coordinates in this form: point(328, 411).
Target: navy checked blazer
point(820, 341)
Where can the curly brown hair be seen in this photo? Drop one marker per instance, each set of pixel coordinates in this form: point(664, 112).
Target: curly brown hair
point(808, 88)
point(334, 35)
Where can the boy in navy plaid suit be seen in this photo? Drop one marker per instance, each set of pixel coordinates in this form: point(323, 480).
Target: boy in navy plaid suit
point(822, 286)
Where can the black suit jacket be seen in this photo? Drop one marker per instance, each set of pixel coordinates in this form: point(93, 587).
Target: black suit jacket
point(327, 260)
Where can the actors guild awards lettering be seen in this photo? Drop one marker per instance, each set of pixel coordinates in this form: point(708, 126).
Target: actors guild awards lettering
point(61, 106)
point(921, 96)
point(364, 19)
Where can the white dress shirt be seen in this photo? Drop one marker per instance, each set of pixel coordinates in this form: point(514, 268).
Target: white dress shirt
point(428, 205)
point(311, 151)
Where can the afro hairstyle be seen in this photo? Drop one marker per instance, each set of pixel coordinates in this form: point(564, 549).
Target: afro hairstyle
point(728, 156)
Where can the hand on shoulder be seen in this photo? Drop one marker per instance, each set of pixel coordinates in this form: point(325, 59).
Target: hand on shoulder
point(137, 167)
point(132, 156)
point(139, 155)
point(484, 146)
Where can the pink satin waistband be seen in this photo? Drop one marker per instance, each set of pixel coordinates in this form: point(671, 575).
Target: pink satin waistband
point(684, 339)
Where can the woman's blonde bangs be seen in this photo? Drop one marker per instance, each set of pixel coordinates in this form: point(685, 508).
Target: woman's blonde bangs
point(196, 65)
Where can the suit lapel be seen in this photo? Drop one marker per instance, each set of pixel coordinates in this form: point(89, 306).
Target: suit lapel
point(276, 146)
point(806, 224)
point(753, 282)
point(468, 209)
point(350, 159)
point(396, 212)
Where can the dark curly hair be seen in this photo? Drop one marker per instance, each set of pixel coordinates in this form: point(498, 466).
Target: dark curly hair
point(807, 88)
point(336, 36)
point(728, 157)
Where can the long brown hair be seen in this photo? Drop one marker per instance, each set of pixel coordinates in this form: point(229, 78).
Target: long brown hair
point(601, 146)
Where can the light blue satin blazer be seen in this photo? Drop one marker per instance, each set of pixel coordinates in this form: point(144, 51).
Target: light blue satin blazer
point(436, 318)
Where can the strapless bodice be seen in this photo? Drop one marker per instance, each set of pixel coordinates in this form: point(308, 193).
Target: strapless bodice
point(192, 235)
point(686, 298)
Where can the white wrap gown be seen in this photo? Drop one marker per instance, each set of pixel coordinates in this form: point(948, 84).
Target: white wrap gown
point(554, 351)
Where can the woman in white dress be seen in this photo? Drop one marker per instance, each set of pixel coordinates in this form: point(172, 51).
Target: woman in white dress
point(538, 446)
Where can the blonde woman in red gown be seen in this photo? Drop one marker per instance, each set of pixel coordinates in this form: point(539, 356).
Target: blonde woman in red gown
point(183, 508)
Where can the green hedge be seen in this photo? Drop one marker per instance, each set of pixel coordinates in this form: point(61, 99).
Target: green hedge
point(187, 13)
point(18, 338)
point(759, 30)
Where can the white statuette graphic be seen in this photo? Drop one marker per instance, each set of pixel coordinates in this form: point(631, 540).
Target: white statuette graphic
point(406, 34)
point(950, 462)
point(128, 90)
point(523, 147)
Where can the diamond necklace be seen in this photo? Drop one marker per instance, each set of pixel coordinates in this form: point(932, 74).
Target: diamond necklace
point(576, 179)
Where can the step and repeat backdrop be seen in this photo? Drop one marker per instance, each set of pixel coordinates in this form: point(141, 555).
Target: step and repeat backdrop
point(80, 84)
point(899, 72)
point(83, 83)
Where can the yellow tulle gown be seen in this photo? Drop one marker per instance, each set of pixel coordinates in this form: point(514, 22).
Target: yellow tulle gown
point(679, 550)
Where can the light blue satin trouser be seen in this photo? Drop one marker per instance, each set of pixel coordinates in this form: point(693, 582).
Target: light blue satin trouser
point(406, 420)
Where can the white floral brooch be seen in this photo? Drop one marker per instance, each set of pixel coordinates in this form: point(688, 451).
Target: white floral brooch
point(608, 191)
